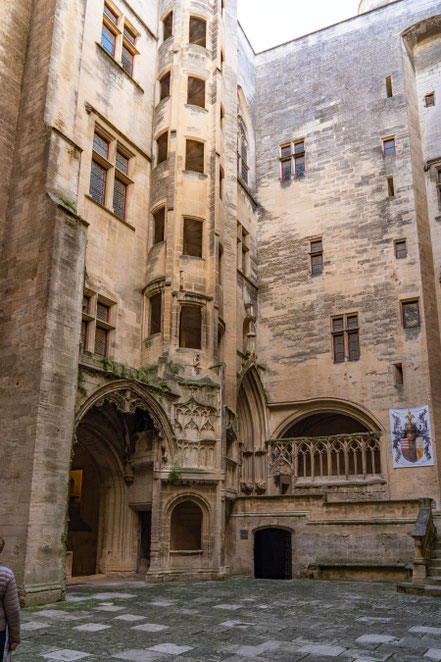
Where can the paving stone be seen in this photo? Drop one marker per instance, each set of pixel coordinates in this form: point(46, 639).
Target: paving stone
point(376, 639)
point(92, 627)
point(150, 627)
point(108, 596)
point(321, 649)
point(129, 617)
point(425, 629)
point(109, 608)
point(34, 625)
point(228, 607)
point(434, 654)
point(164, 603)
point(171, 649)
point(236, 624)
point(65, 654)
point(137, 655)
point(374, 619)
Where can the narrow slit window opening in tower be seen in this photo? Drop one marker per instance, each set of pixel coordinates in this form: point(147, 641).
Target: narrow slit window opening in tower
point(155, 313)
point(164, 86)
point(390, 187)
point(389, 91)
point(158, 225)
point(162, 148)
point(398, 374)
point(167, 26)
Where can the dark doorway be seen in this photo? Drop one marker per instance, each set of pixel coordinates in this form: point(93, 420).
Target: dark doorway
point(145, 534)
point(272, 554)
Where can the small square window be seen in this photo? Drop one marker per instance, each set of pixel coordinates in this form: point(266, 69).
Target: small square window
point(299, 147)
point(285, 151)
point(411, 314)
point(429, 100)
point(102, 312)
point(337, 324)
point(400, 249)
point(389, 146)
point(352, 322)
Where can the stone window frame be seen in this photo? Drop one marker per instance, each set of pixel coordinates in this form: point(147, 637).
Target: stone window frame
point(201, 19)
point(91, 321)
point(154, 229)
point(192, 103)
point(387, 151)
point(110, 163)
point(160, 135)
point(124, 34)
point(196, 219)
point(243, 150)
point(292, 159)
point(316, 251)
point(156, 287)
point(167, 30)
point(193, 302)
point(346, 330)
point(408, 302)
point(164, 74)
point(398, 250)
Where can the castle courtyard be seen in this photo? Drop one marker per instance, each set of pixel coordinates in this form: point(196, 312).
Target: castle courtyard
point(236, 620)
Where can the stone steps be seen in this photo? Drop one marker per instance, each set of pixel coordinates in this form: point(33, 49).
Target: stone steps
point(420, 589)
point(431, 585)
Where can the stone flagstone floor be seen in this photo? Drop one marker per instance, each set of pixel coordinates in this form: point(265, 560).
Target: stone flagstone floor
point(238, 620)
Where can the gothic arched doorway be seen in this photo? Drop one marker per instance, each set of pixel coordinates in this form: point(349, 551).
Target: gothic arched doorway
point(272, 554)
point(252, 433)
point(112, 487)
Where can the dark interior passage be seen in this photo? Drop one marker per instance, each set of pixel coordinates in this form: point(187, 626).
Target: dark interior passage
point(272, 554)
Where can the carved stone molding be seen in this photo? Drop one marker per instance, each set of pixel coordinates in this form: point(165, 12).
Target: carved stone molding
point(193, 418)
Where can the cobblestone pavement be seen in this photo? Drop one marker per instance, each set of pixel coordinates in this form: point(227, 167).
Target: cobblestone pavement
point(238, 620)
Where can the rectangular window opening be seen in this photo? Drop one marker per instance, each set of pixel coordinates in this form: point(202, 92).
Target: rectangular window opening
point(198, 31)
point(190, 328)
point(316, 253)
point(127, 60)
point(429, 100)
point(158, 225)
point(194, 156)
point(400, 249)
point(122, 162)
point(100, 145)
point(110, 14)
point(108, 40)
point(101, 341)
point(389, 146)
point(119, 198)
point(162, 147)
point(398, 374)
point(411, 314)
point(155, 313)
point(192, 240)
point(167, 26)
point(98, 179)
point(390, 187)
point(389, 92)
point(164, 87)
point(196, 92)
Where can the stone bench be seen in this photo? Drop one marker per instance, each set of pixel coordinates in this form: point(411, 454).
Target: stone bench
point(360, 571)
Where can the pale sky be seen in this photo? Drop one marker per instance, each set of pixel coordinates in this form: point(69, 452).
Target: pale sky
point(268, 23)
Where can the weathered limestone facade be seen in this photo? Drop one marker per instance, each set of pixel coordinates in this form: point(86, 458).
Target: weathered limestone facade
point(185, 225)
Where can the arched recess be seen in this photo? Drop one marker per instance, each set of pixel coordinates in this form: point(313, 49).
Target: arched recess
point(120, 436)
point(190, 503)
point(186, 526)
point(325, 442)
point(252, 430)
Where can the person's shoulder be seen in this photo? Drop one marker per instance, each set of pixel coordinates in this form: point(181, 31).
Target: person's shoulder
point(5, 572)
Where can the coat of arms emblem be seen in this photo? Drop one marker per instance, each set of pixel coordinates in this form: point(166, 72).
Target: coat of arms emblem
point(411, 437)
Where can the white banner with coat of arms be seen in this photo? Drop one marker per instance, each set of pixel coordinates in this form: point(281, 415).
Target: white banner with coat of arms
point(411, 437)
